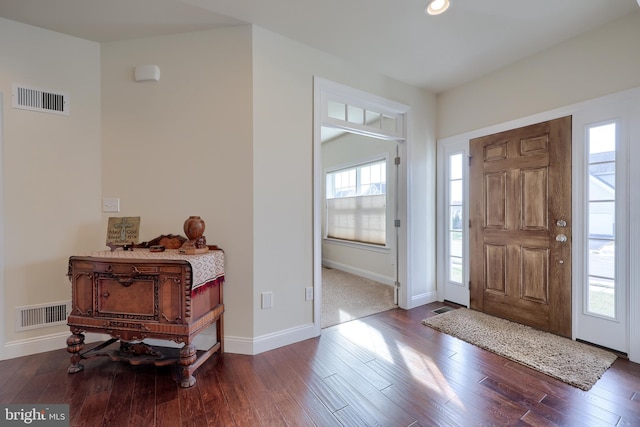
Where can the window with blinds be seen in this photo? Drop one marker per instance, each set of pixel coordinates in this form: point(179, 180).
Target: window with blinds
point(356, 203)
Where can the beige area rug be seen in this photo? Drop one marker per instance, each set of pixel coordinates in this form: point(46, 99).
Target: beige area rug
point(572, 362)
point(347, 297)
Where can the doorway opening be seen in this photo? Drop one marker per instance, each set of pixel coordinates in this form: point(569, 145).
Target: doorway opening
point(359, 200)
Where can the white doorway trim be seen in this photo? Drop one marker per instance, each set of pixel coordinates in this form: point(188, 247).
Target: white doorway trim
point(323, 88)
point(631, 98)
point(2, 298)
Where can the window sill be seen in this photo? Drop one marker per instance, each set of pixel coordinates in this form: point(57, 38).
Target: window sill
point(357, 245)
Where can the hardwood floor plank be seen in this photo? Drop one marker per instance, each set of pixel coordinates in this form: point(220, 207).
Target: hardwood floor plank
point(539, 411)
point(291, 393)
point(371, 404)
point(12, 389)
point(426, 411)
point(300, 360)
point(252, 391)
point(330, 347)
point(118, 410)
point(592, 407)
point(168, 414)
point(216, 406)
point(143, 405)
point(191, 407)
point(93, 409)
point(9, 368)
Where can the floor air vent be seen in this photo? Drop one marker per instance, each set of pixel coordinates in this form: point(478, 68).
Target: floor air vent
point(42, 315)
point(45, 101)
point(443, 309)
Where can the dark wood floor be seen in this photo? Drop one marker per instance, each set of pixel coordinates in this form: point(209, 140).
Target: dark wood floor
point(384, 370)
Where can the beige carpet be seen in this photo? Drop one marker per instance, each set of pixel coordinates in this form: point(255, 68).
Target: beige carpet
point(572, 362)
point(347, 297)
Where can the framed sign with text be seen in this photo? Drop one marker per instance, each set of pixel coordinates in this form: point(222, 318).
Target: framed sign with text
point(123, 231)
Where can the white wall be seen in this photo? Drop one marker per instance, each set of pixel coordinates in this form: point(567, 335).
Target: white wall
point(226, 134)
point(283, 186)
point(183, 145)
point(51, 174)
point(603, 61)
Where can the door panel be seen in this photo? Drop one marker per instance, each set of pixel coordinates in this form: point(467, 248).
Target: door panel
point(520, 187)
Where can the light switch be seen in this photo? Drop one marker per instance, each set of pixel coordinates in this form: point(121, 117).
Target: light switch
point(110, 204)
point(267, 300)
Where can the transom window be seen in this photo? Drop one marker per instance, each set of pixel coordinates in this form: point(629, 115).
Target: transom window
point(356, 203)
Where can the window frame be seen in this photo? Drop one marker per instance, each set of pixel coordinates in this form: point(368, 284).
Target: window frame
point(389, 214)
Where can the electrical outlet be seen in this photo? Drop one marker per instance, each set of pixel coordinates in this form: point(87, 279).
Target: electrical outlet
point(267, 300)
point(308, 293)
point(110, 204)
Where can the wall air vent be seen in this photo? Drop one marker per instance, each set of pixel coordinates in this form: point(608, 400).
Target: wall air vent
point(45, 101)
point(42, 315)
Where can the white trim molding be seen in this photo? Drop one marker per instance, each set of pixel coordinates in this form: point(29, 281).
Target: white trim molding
point(257, 345)
point(630, 99)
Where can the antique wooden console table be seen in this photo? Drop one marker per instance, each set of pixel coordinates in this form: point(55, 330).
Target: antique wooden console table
point(138, 294)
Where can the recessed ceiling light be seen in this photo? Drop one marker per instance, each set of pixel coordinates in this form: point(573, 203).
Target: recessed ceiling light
point(436, 7)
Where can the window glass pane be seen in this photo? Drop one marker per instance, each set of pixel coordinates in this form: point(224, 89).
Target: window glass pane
point(455, 166)
point(455, 194)
point(602, 181)
point(455, 270)
point(601, 297)
point(345, 183)
point(601, 258)
point(455, 218)
point(602, 219)
point(336, 110)
point(389, 124)
point(455, 244)
point(602, 139)
point(372, 118)
point(355, 115)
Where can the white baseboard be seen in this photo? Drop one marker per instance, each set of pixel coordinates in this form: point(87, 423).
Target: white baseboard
point(240, 345)
point(41, 344)
point(389, 281)
point(422, 299)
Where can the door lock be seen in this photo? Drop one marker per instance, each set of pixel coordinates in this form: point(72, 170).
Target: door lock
point(561, 223)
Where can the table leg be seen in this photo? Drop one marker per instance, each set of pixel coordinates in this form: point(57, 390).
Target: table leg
point(75, 344)
point(187, 358)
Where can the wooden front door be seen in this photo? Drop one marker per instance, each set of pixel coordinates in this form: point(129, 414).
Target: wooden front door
point(520, 225)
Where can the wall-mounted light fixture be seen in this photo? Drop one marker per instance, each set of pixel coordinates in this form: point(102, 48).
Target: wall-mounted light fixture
point(436, 7)
point(146, 72)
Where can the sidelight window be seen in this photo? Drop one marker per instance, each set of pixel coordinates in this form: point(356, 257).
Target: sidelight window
point(601, 220)
point(455, 219)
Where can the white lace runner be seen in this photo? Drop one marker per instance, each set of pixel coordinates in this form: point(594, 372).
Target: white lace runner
point(206, 268)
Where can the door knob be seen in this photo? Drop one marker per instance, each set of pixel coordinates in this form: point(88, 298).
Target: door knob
point(561, 223)
point(561, 238)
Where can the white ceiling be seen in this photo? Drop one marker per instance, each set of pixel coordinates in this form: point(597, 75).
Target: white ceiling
point(392, 37)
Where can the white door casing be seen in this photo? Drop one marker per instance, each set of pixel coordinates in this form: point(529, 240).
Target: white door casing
point(624, 107)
